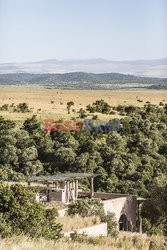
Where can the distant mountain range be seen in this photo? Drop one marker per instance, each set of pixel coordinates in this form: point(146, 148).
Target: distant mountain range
point(147, 68)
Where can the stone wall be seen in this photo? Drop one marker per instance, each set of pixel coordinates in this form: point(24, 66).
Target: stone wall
point(123, 205)
point(96, 230)
point(119, 204)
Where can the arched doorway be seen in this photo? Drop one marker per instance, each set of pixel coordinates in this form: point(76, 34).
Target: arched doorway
point(123, 223)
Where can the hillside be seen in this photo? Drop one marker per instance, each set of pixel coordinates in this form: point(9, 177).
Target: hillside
point(81, 80)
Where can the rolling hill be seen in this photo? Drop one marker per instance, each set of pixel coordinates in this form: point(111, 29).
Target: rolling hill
point(81, 80)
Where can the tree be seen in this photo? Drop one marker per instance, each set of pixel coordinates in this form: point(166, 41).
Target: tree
point(20, 214)
point(64, 159)
point(99, 106)
point(32, 125)
point(6, 126)
point(82, 113)
point(69, 105)
point(155, 209)
point(22, 107)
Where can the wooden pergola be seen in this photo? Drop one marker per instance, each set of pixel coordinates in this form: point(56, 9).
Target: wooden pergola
point(67, 180)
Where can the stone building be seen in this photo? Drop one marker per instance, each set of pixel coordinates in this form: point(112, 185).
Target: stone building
point(64, 188)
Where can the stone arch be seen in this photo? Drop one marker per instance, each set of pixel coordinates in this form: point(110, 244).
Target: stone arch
point(123, 223)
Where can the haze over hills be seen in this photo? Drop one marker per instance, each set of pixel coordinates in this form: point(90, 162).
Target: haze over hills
point(148, 68)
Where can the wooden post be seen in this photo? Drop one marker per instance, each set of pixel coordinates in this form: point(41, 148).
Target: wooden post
point(140, 218)
point(67, 191)
point(76, 189)
point(56, 185)
point(91, 187)
point(47, 192)
point(140, 229)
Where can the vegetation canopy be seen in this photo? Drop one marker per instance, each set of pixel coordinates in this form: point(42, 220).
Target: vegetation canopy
point(20, 214)
point(132, 160)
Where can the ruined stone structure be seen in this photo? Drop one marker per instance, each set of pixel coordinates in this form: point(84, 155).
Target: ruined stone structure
point(124, 206)
point(64, 188)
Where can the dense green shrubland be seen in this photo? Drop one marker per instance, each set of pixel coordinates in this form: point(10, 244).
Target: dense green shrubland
point(133, 160)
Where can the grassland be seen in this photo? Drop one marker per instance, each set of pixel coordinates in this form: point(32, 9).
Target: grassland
point(76, 222)
point(100, 243)
point(51, 103)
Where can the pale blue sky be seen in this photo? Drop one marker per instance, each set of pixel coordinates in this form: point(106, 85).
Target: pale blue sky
point(32, 30)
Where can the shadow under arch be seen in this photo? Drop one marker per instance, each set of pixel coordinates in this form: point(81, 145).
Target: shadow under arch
point(123, 223)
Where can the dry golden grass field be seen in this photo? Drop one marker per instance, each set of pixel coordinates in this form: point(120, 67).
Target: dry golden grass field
point(73, 223)
point(51, 103)
point(100, 243)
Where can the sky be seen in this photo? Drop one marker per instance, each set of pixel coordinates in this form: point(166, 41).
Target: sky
point(33, 30)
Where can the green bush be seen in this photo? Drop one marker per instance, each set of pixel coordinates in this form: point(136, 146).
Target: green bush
point(82, 113)
point(81, 238)
point(111, 223)
point(22, 107)
point(20, 214)
point(112, 112)
point(86, 207)
point(4, 107)
point(5, 228)
point(8, 174)
point(99, 106)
